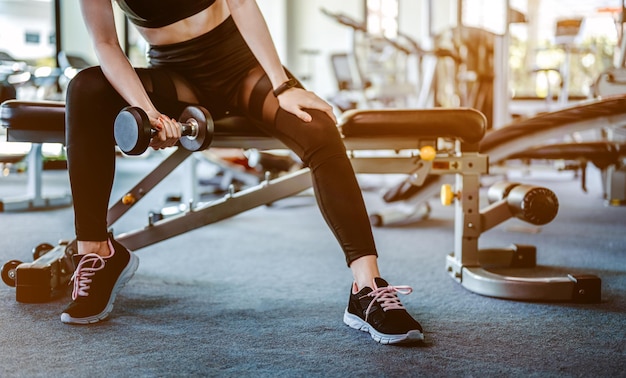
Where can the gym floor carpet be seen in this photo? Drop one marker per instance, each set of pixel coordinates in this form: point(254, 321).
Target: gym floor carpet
point(263, 294)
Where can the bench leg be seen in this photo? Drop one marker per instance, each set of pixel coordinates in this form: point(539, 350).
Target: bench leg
point(34, 199)
point(615, 184)
point(473, 268)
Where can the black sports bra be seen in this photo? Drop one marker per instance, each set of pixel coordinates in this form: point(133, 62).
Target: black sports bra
point(147, 14)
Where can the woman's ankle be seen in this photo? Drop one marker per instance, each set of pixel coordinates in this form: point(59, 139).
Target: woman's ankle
point(365, 269)
point(100, 248)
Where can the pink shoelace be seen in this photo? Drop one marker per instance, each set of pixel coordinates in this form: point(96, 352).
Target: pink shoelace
point(87, 267)
point(387, 297)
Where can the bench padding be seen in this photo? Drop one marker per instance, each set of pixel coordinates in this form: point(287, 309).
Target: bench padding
point(33, 121)
point(44, 121)
point(590, 110)
point(468, 125)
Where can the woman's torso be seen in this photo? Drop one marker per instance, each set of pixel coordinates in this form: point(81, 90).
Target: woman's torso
point(174, 21)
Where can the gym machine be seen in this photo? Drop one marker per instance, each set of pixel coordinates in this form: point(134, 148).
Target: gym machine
point(534, 138)
point(417, 131)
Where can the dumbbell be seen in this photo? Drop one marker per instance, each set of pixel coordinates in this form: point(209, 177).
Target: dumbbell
point(133, 131)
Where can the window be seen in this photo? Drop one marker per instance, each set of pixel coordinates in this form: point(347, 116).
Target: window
point(25, 28)
point(382, 18)
point(31, 37)
point(488, 15)
point(562, 50)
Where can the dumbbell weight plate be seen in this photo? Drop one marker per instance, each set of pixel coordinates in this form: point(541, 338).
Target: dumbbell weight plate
point(132, 131)
point(201, 140)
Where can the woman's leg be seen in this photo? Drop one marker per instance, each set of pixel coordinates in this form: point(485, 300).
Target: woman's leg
point(373, 305)
point(92, 105)
point(319, 145)
point(103, 266)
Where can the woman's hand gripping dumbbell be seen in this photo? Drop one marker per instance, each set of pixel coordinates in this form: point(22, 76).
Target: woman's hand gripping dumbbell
point(133, 131)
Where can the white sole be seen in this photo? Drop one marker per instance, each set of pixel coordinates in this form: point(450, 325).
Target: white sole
point(355, 322)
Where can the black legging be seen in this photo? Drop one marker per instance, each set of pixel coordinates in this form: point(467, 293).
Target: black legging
point(92, 105)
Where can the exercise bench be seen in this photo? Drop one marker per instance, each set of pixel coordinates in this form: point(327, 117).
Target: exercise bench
point(604, 155)
point(40, 127)
point(536, 133)
point(416, 131)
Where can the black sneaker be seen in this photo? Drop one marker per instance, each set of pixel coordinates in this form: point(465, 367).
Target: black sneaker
point(97, 280)
point(380, 312)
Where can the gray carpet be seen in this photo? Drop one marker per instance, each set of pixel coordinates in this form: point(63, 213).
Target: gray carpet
point(262, 294)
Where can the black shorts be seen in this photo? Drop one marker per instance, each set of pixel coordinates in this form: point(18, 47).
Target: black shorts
point(215, 63)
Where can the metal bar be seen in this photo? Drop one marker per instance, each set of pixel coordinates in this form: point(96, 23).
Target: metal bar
point(442, 165)
point(481, 281)
point(230, 205)
point(58, 32)
point(146, 185)
point(35, 172)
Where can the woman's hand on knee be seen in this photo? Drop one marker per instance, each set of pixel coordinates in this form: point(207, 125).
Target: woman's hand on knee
point(294, 100)
point(168, 132)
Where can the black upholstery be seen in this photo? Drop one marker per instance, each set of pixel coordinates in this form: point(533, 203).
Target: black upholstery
point(41, 121)
point(593, 109)
point(36, 122)
point(468, 125)
point(600, 153)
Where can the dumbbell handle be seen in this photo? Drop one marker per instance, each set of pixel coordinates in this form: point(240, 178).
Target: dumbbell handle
point(188, 128)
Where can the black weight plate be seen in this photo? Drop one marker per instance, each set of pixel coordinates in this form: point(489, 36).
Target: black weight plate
point(205, 128)
point(132, 131)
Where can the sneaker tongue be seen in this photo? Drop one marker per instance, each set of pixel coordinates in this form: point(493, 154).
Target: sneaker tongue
point(379, 282)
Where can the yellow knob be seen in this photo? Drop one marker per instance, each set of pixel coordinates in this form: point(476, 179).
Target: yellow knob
point(128, 199)
point(428, 153)
point(446, 195)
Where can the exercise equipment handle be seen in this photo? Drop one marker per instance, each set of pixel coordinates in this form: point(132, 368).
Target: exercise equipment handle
point(187, 128)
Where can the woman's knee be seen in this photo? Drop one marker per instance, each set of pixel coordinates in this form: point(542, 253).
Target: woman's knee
point(320, 138)
point(87, 83)
point(91, 106)
point(324, 130)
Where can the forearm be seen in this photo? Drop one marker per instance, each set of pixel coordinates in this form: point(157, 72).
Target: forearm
point(255, 32)
point(100, 22)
